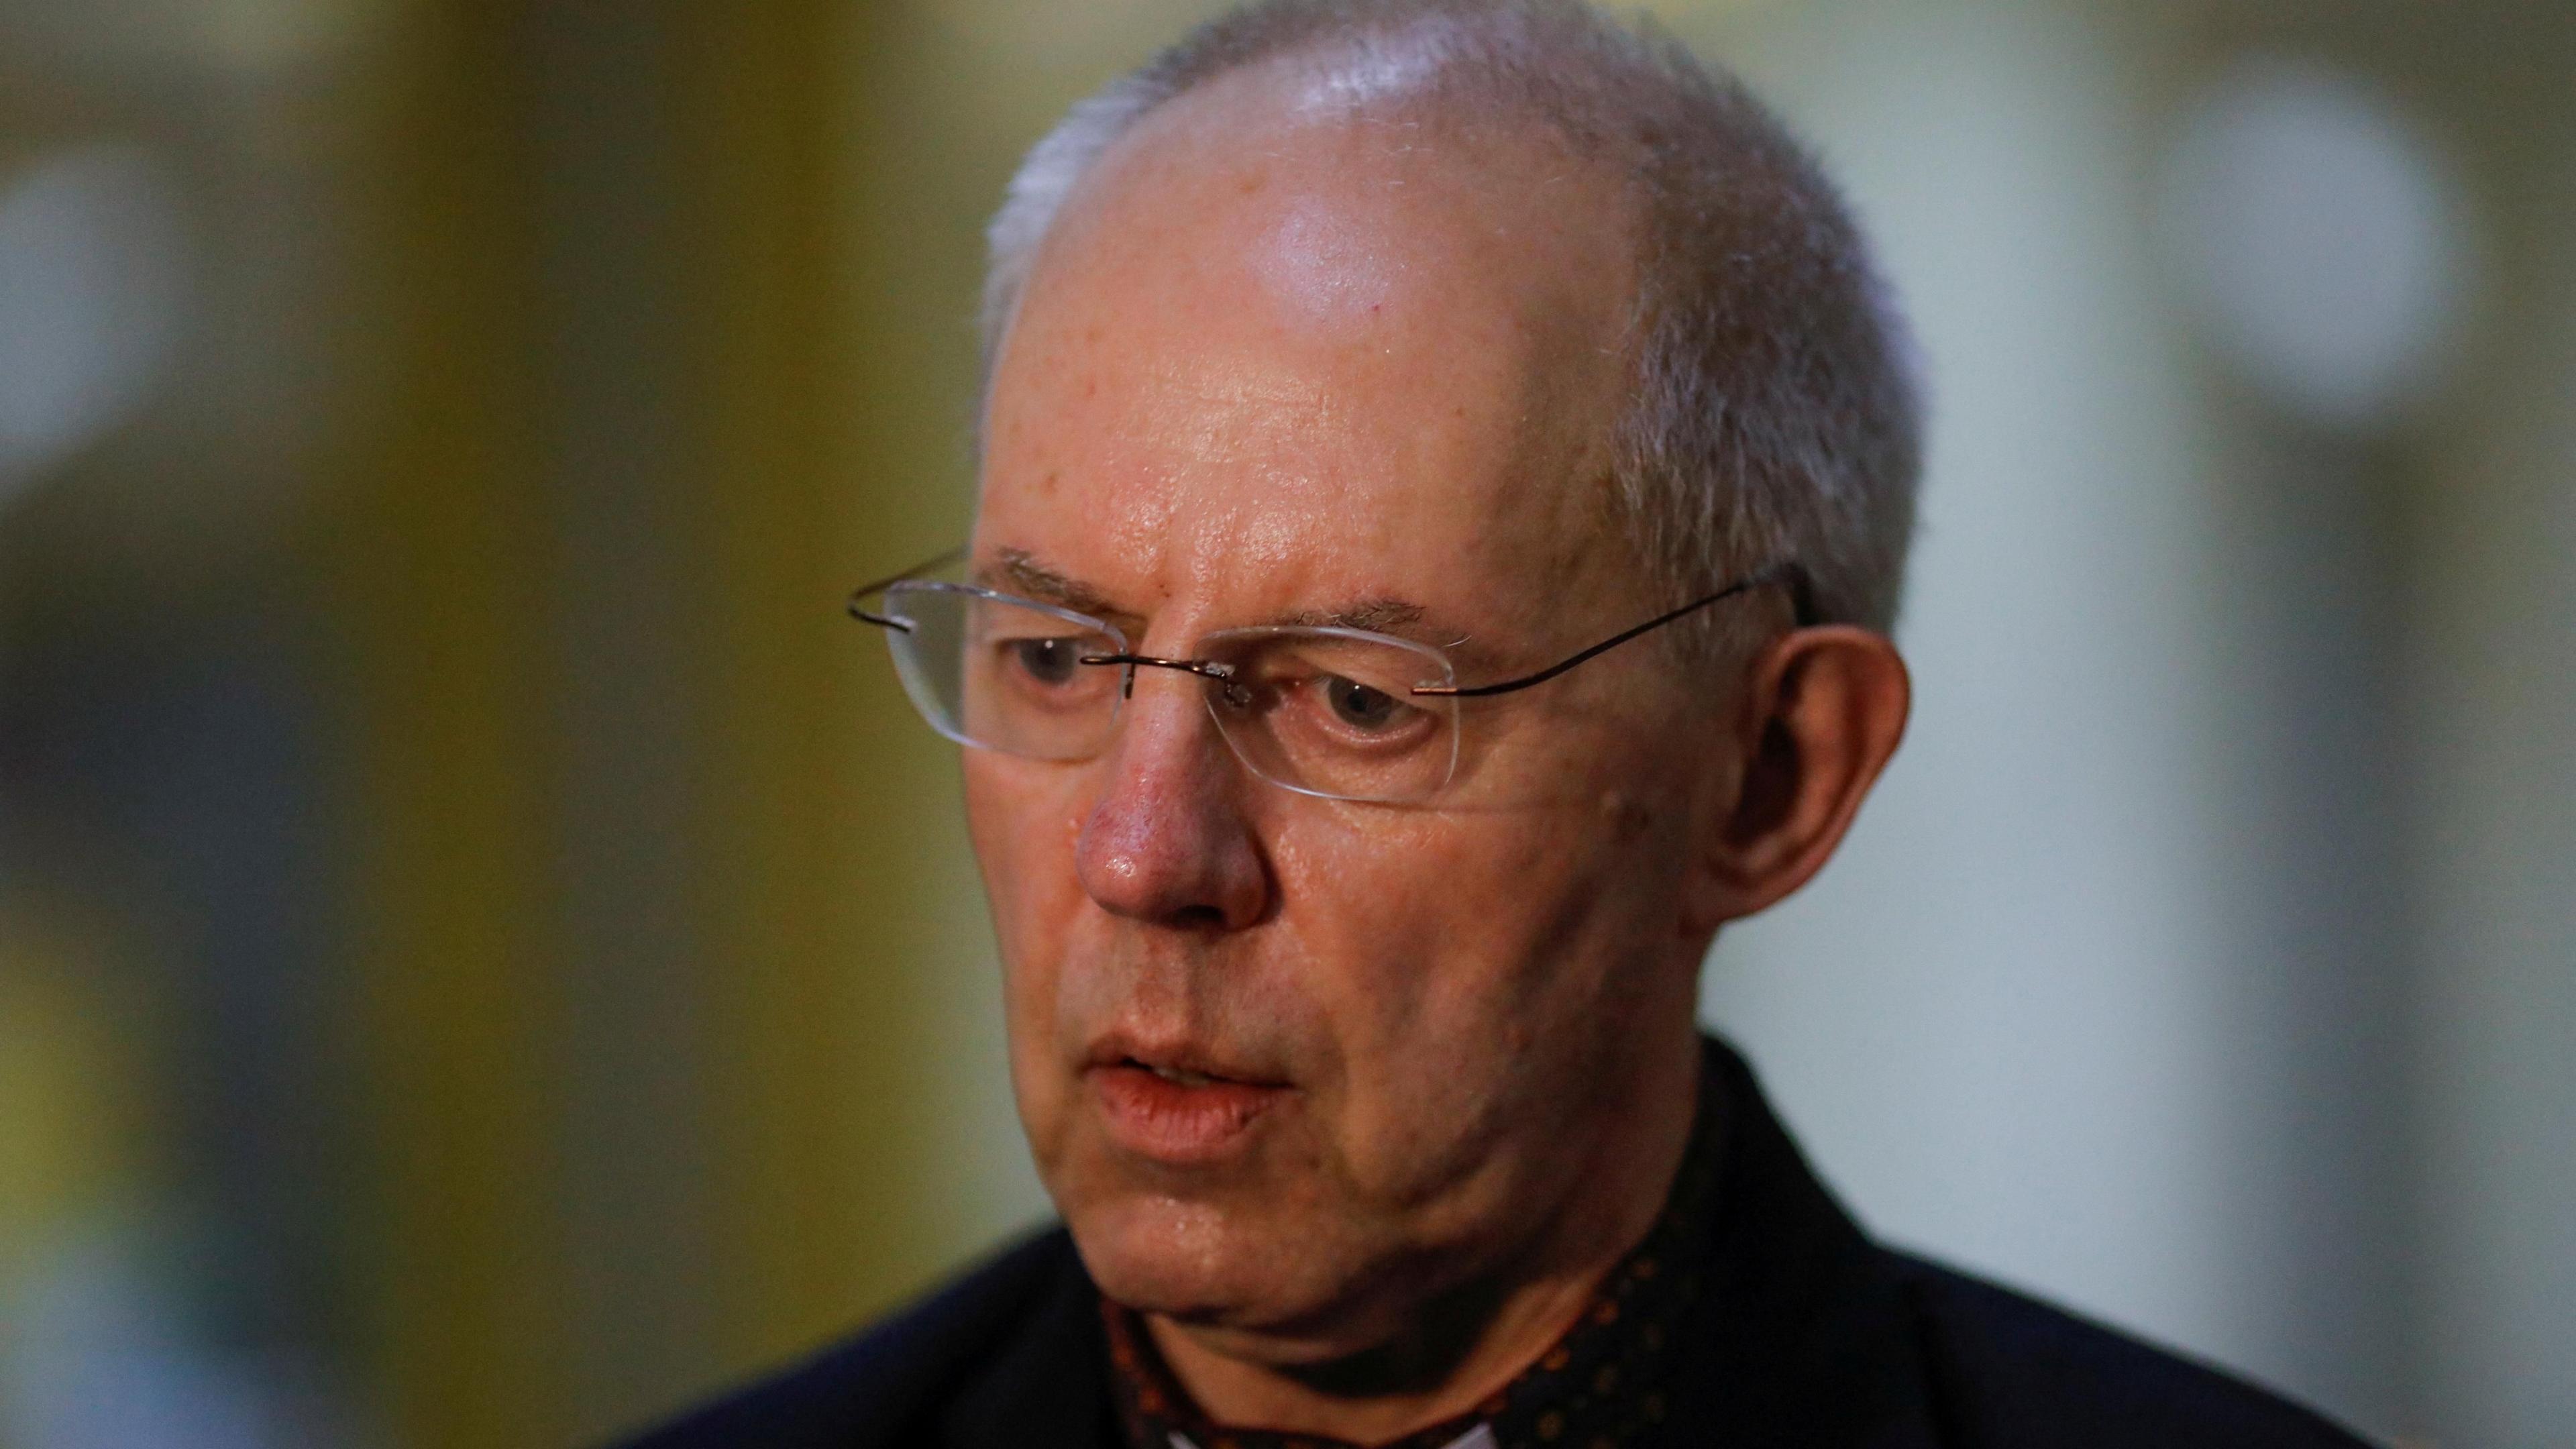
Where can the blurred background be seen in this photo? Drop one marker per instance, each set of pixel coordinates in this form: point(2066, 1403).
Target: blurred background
point(487, 956)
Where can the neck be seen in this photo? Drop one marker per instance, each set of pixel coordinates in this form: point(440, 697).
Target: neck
point(1462, 1346)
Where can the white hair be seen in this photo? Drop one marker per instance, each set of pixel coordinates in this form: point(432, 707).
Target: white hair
point(1773, 412)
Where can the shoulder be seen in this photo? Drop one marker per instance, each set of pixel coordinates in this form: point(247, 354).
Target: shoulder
point(897, 1381)
point(2009, 1371)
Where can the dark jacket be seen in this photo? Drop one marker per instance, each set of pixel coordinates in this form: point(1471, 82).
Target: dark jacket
point(1806, 1334)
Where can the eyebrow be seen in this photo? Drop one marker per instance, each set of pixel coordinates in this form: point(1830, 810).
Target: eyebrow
point(1021, 570)
point(1380, 615)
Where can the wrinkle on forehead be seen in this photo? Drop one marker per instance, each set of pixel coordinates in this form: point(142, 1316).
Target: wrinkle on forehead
point(1241, 410)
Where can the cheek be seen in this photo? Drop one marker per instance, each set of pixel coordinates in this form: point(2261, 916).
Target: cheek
point(1445, 949)
point(1021, 820)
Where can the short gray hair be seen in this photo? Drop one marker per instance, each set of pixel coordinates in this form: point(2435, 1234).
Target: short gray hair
point(1774, 413)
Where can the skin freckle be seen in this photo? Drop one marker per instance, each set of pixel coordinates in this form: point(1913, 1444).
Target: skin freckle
point(1627, 817)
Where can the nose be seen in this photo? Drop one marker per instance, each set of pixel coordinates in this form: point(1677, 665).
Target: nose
point(1168, 842)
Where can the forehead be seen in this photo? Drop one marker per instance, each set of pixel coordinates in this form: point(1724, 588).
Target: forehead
point(1314, 348)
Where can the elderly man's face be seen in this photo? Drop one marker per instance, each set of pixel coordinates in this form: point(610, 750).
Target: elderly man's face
point(1290, 1065)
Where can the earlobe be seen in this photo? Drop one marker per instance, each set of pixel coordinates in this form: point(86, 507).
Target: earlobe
point(1824, 709)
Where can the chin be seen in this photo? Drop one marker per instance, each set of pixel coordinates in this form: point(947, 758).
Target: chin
point(1203, 1265)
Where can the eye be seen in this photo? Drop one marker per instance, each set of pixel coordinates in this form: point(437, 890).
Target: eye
point(1048, 661)
point(1359, 706)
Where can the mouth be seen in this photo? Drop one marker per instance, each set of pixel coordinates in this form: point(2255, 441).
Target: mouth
point(1176, 1107)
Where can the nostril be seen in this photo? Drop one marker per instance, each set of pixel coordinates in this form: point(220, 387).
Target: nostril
point(1200, 917)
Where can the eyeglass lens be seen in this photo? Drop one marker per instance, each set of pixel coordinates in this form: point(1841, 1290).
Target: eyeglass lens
point(1322, 711)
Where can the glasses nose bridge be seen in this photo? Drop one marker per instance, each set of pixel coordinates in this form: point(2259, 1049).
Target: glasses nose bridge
point(1208, 675)
point(1213, 672)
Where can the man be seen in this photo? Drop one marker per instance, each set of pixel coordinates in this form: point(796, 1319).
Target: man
point(1446, 474)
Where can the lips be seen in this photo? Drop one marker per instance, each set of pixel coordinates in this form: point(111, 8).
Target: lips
point(1175, 1106)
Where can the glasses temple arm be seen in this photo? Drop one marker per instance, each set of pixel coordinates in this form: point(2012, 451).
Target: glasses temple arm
point(1790, 574)
point(883, 621)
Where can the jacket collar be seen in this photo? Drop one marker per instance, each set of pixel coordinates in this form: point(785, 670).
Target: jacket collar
point(1803, 1332)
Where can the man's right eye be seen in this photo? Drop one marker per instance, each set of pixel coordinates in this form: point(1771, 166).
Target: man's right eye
point(1048, 661)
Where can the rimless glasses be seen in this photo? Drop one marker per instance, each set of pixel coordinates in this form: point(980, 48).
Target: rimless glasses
point(1345, 714)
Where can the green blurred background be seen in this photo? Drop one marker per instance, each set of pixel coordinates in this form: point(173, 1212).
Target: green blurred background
point(486, 955)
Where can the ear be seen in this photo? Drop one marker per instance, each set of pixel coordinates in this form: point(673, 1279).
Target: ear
point(1822, 711)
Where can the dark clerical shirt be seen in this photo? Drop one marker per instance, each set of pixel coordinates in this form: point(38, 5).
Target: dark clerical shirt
point(1601, 1386)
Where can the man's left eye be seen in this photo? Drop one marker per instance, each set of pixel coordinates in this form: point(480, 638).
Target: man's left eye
point(1049, 661)
point(1358, 705)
